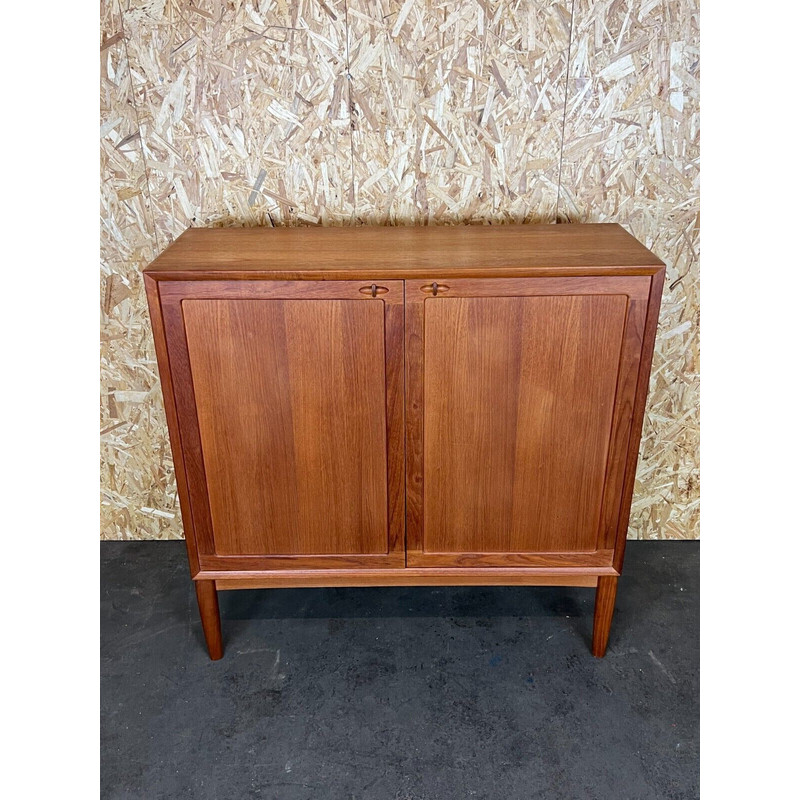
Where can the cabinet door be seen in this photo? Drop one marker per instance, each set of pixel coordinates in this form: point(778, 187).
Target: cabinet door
point(520, 395)
point(290, 416)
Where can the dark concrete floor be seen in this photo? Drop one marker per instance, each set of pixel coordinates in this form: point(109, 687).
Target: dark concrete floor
point(399, 693)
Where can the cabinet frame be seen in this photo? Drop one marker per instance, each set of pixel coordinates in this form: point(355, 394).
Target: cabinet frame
point(347, 264)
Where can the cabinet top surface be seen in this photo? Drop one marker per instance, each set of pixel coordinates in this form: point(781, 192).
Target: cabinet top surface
point(402, 251)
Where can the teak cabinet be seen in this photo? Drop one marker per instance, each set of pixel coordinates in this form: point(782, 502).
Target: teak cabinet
point(405, 406)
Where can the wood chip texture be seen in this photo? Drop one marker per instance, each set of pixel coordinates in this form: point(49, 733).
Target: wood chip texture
point(304, 112)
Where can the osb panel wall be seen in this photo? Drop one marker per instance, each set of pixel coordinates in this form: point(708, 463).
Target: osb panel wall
point(296, 112)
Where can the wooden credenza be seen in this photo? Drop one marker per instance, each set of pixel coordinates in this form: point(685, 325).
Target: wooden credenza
point(405, 406)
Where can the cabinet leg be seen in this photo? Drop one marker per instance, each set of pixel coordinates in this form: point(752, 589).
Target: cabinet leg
point(603, 612)
point(209, 616)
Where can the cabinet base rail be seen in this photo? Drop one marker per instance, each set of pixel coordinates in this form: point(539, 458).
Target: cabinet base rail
point(410, 576)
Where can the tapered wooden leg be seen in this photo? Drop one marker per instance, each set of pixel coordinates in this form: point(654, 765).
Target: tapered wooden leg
point(603, 612)
point(209, 616)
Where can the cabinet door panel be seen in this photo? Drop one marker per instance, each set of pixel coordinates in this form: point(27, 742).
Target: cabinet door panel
point(290, 401)
point(520, 397)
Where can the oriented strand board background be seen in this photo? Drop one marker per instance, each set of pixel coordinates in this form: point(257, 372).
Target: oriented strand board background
point(294, 112)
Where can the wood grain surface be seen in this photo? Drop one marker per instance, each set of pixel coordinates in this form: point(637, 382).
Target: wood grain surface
point(605, 596)
point(212, 253)
point(519, 395)
point(208, 604)
point(291, 403)
point(276, 457)
point(425, 576)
